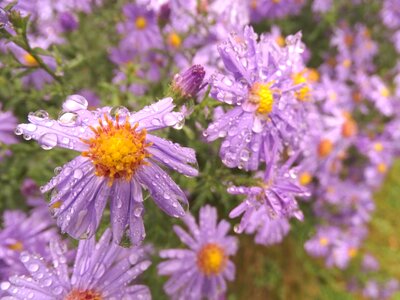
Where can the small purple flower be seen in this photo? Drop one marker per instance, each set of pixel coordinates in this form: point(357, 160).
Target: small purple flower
point(188, 83)
point(390, 13)
point(118, 158)
point(101, 270)
point(369, 263)
point(140, 30)
point(321, 6)
point(275, 196)
point(276, 9)
point(23, 232)
point(200, 272)
point(259, 85)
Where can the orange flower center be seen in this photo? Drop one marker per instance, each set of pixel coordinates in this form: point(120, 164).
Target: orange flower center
point(174, 40)
point(17, 246)
point(140, 23)
point(211, 259)
point(117, 150)
point(305, 178)
point(83, 295)
point(30, 61)
point(325, 147)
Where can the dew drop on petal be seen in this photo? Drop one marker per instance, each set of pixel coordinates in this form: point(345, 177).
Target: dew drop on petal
point(5, 285)
point(48, 141)
point(38, 116)
point(78, 173)
point(68, 119)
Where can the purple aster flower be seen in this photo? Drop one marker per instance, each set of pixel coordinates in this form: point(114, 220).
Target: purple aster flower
point(369, 263)
point(260, 87)
point(118, 158)
point(188, 83)
point(276, 9)
point(37, 77)
point(140, 30)
point(200, 272)
point(22, 232)
point(377, 291)
point(8, 122)
point(338, 246)
point(321, 6)
point(101, 270)
point(390, 13)
point(276, 193)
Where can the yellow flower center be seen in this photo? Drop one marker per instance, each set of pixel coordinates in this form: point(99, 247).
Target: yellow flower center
point(83, 295)
point(323, 241)
point(30, 61)
point(382, 168)
point(303, 94)
point(17, 246)
point(280, 41)
point(174, 40)
point(117, 150)
point(348, 40)
point(347, 63)
point(384, 92)
point(140, 23)
point(325, 147)
point(261, 95)
point(352, 252)
point(305, 178)
point(211, 259)
point(378, 147)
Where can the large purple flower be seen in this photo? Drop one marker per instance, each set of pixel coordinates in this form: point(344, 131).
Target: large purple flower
point(23, 233)
point(101, 270)
point(259, 85)
point(200, 272)
point(118, 158)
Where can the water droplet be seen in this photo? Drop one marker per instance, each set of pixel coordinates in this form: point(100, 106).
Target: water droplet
point(5, 285)
point(27, 137)
point(179, 125)
point(18, 131)
point(57, 170)
point(138, 211)
point(78, 173)
point(133, 258)
point(68, 119)
point(170, 119)
point(30, 127)
point(48, 141)
point(38, 116)
point(33, 267)
point(58, 290)
point(121, 111)
point(75, 103)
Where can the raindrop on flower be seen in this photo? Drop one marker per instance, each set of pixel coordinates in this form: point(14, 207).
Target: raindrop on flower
point(68, 119)
point(75, 103)
point(48, 141)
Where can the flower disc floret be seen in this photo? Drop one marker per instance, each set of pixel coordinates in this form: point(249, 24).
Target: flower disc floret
point(117, 150)
point(262, 95)
point(211, 259)
point(83, 295)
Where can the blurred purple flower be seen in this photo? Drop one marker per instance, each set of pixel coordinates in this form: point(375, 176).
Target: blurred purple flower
point(22, 232)
point(200, 272)
point(101, 270)
point(118, 158)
